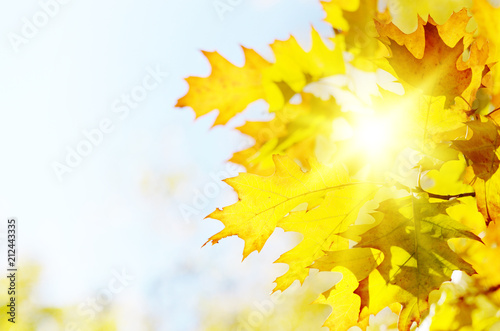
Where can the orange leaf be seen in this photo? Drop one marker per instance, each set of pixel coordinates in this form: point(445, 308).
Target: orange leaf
point(229, 88)
point(425, 61)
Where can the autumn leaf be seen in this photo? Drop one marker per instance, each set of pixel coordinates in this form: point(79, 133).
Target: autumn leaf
point(360, 261)
point(321, 228)
point(472, 303)
point(486, 191)
point(448, 180)
point(354, 21)
point(487, 17)
point(335, 9)
point(434, 124)
point(230, 88)
point(412, 234)
point(400, 100)
point(344, 302)
point(264, 201)
point(481, 148)
point(425, 61)
point(295, 67)
point(405, 13)
point(293, 131)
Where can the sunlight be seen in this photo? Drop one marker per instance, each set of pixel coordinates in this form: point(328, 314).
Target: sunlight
point(374, 135)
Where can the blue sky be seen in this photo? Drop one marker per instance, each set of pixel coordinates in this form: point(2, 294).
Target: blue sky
point(119, 206)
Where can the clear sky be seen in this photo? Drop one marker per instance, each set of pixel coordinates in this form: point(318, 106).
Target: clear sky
point(65, 75)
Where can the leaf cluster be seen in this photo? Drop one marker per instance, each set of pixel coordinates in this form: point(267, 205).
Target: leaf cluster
point(382, 154)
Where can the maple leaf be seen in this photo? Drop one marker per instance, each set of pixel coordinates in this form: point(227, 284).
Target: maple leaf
point(424, 60)
point(264, 201)
point(412, 234)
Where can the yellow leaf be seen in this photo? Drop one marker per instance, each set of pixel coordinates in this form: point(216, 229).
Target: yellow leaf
point(412, 235)
point(264, 201)
point(321, 228)
point(360, 261)
point(345, 304)
point(472, 303)
point(354, 21)
point(229, 88)
point(487, 18)
point(405, 13)
point(295, 67)
point(487, 197)
point(335, 9)
point(292, 131)
point(448, 180)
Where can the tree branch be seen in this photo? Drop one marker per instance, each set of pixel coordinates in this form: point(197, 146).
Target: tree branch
point(449, 197)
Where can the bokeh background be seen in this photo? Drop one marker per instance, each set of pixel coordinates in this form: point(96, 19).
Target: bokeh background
point(118, 210)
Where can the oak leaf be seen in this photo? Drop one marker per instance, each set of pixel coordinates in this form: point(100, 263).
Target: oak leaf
point(484, 174)
point(412, 234)
point(481, 148)
point(265, 201)
point(487, 197)
point(426, 60)
point(406, 13)
point(230, 88)
point(335, 10)
point(321, 228)
point(360, 261)
point(344, 302)
point(295, 67)
point(293, 131)
point(487, 17)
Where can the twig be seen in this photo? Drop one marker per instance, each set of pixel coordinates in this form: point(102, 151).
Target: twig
point(451, 196)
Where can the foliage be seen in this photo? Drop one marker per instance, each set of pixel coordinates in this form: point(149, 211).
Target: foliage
point(382, 154)
point(31, 316)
